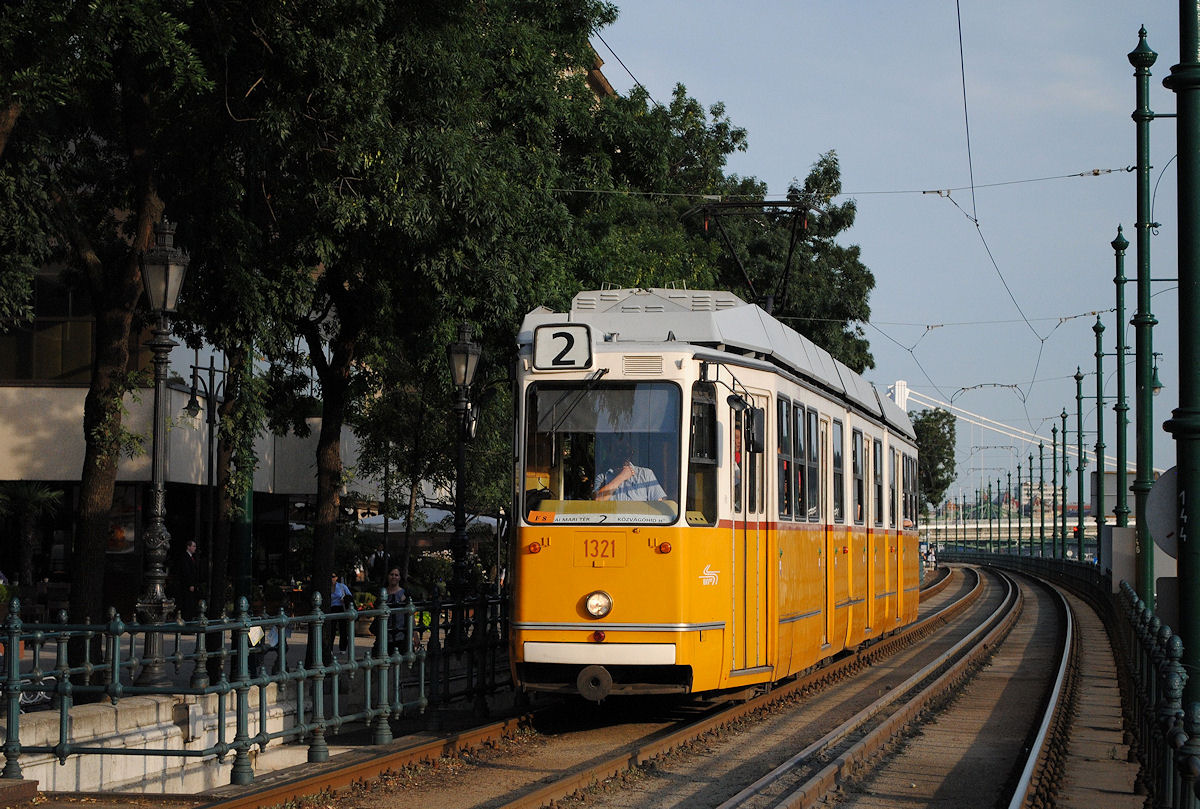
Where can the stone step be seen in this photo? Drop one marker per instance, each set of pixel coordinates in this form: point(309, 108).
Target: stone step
point(17, 792)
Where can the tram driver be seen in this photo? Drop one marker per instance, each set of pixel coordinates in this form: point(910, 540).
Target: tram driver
point(626, 480)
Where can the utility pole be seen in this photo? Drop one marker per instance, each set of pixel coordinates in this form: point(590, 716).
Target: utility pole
point(1142, 58)
point(1184, 81)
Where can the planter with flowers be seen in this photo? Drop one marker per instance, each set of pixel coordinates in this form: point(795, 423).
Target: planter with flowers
point(364, 601)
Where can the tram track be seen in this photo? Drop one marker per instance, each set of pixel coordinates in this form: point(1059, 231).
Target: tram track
point(656, 738)
point(1001, 742)
point(1028, 682)
point(356, 778)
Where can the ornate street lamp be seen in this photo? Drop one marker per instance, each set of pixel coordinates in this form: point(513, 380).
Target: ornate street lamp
point(1066, 485)
point(1054, 491)
point(1020, 508)
point(1101, 515)
point(212, 390)
point(1122, 407)
point(463, 356)
point(1041, 500)
point(1008, 510)
point(1080, 464)
point(1142, 58)
point(163, 269)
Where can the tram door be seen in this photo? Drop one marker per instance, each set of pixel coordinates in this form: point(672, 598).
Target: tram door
point(749, 540)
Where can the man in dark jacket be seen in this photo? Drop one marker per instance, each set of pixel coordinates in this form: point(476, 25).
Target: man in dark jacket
point(189, 582)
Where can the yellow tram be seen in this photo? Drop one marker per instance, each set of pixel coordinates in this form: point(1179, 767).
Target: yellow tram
point(705, 499)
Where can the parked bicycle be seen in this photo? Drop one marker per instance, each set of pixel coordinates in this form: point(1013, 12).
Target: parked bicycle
point(41, 697)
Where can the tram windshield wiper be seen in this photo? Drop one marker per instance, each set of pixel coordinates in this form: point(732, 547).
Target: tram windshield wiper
point(578, 394)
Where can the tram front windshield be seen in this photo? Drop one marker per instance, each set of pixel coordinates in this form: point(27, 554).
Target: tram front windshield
point(602, 453)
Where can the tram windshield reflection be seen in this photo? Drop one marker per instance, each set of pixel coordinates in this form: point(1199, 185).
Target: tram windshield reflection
point(602, 453)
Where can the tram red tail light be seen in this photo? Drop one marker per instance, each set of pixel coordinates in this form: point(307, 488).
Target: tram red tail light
point(598, 636)
point(535, 547)
point(664, 547)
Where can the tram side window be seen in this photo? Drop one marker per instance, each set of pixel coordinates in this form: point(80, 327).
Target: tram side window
point(754, 446)
point(893, 502)
point(702, 457)
point(799, 463)
point(859, 468)
point(812, 493)
point(911, 490)
point(877, 472)
point(739, 461)
point(839, 474)
point(783, 427)
point(904, 486)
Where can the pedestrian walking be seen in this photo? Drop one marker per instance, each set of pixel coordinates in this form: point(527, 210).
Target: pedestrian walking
point(340, 600)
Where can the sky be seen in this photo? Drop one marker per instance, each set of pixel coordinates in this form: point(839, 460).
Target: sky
point(985, 293)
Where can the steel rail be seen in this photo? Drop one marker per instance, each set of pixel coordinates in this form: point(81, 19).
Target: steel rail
point(949, 666)
point(347, 768)
point(1030, 785)
point(582, 779)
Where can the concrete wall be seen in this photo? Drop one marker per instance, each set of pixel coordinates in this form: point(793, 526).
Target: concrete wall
point(41, 438)
point(162, 723)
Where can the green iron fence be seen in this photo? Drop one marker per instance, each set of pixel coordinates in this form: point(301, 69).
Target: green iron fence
point(1165, 732)
point(449, 652)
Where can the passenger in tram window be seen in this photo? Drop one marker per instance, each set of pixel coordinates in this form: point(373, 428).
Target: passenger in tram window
point(628, 481)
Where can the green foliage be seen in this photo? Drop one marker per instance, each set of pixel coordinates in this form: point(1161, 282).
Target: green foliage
point(352, 178)
point(28, 501)
point(935, 431)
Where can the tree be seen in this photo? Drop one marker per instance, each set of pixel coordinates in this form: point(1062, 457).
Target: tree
point(390, 167)
point(93, 90)
point(28, 502)
point(935, 448)
point(817, 286)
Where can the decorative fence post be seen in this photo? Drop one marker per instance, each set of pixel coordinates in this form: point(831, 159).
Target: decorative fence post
point(12, 690)
point(243, 770)
point(318, 750)
point(381, 730)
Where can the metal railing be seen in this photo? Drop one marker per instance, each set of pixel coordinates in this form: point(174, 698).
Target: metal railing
point(1166, 733)
point(449, 652)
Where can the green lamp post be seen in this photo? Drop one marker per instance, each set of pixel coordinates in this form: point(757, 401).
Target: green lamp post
point(1066, 486)
point(1122, 407)
point(1142, 58)
point(1041, 499)
point(1019, 508)
point(1080, 463)
point(1008, 510)
point(1101, 516)
point(1184, 424)
point(991, 533)
point(1054, 492)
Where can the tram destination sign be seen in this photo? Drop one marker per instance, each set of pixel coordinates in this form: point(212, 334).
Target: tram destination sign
point(562, 347)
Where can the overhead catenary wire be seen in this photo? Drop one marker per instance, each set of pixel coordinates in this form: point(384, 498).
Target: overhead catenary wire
point(1000, 428)
point(911, 346)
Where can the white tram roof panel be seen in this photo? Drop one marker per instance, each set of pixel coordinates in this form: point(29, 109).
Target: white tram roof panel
point(712, 318)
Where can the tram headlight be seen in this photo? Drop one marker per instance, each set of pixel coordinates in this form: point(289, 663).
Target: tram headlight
point(598, 604)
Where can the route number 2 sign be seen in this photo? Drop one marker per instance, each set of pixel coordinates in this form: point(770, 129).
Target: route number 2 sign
point(562, 347)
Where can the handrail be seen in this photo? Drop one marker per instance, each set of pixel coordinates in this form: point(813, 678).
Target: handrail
point(1166, 733)
point(98, 661)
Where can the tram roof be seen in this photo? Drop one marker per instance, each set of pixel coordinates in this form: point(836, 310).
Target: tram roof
point(720, 320)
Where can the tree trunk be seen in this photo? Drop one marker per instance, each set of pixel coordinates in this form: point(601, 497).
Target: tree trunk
point(8, 120)
point(116, 288)
point(334, 375)
point(101, 429)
